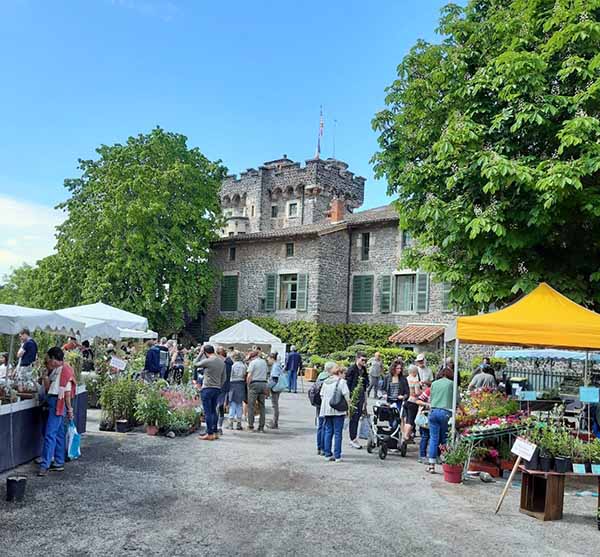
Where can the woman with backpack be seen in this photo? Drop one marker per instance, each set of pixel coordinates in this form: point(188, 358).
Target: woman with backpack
point(335, 400)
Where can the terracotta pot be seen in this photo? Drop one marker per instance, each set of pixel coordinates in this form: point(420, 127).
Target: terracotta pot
point(151, 429)
point(453, 473)
point(311, 373)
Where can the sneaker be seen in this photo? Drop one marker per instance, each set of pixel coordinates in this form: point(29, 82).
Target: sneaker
point(239, 427)
point(54, 468)
point(355, 445)
point(206, 437)
point(327, 457)
point(319, 452)
point(42, 472)
point(339, 460)
point(331, 459)
point(261, 430)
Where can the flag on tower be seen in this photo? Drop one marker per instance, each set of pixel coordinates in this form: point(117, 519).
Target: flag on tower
point(320, 135)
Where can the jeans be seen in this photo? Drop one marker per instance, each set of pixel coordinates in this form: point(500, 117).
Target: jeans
point(235, 411)
point(334, 426)
point(320, 432)
point(275, 403)
point(293, 379)
point(424, 433)
point(210, 396)
point(438, 431)
point(256, 392)
point(353, 427)
point(373, 386)
point(54, 438)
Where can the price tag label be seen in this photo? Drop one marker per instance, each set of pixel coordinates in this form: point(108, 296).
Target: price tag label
point(528, 395)
point(589, 394)
point(523, 448)
point(117, 363)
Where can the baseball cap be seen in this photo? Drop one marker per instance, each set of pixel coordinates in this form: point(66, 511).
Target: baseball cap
point(420, 358)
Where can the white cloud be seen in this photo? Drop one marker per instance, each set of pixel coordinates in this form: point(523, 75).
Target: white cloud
point(27, 231)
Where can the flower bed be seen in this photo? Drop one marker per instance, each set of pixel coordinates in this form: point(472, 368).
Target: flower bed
point(484, 410)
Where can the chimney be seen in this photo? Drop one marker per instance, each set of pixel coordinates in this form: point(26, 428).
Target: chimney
point(337, 210)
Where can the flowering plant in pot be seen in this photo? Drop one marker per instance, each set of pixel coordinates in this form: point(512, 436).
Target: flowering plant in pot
point(152, 408)
point(453, 461)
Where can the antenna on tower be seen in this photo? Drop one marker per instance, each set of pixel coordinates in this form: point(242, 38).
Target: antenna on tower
point(334, 128)
point(320, 135)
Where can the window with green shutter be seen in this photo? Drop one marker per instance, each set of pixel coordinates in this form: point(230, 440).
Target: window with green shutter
point(362, 294)
point(229, 293)
point(270, 292)
point(422, 301)
point(385, 294)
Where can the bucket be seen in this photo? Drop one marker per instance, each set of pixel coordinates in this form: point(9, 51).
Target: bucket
point(452, 473)
point(15, 488)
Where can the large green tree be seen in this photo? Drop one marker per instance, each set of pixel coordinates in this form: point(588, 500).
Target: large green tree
point(491, 142)
point(140, 221)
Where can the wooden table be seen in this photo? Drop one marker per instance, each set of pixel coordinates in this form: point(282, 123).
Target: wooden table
point(543, 493)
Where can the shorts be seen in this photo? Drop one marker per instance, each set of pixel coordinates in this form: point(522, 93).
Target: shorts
point(410, 412)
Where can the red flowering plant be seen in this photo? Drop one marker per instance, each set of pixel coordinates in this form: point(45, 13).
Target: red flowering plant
point(485, 409)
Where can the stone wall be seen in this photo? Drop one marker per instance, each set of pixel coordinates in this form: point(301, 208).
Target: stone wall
point(333, 277)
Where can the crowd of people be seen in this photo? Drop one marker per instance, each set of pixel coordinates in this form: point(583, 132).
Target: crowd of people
point(423, 401)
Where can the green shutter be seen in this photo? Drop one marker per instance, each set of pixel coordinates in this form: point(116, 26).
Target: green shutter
point(302, 295)
point(271, 292)
point(229, 293)
point(362, 294)
point(422, 293)
point(385, 294)
point(446, 287)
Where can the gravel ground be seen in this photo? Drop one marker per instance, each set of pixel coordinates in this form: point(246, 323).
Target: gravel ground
point(269, 494)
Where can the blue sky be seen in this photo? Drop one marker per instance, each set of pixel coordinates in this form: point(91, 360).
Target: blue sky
point(242, 79)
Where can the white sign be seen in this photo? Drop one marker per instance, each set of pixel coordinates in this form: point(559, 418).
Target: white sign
point(117, 363)
point(523, 448)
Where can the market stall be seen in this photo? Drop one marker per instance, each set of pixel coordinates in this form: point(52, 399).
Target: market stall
point(543, 318)
point(245, 334)
point(21, 416)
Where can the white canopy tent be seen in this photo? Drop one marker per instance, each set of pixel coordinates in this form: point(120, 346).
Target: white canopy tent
point(15, 318)
point(104, 321)
point(245, 334)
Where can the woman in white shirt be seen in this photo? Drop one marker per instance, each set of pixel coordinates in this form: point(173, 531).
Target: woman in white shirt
point(334, 419)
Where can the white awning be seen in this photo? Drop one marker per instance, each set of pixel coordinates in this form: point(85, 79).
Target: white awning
point(108, 314)
point(15, 318)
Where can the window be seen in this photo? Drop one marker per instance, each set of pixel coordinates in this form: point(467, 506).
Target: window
point(232, 253)
point(293, 210)
point(274, 211)
point(229, 293)
point(252, 211)
point(289, 250)
point(362, 294)
point(405, 293)
point(406, 239)
point(412, 293)
point(365, 242)
point(232, 234)
point(288, 291)
point(446, 287)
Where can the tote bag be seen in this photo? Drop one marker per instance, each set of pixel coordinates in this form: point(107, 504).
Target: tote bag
point(282, 383)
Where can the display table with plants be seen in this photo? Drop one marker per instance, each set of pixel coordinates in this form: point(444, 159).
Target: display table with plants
point(25, 419)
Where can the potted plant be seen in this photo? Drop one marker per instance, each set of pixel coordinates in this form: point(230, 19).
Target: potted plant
point(563, 447)
point(595, 456)
point(453, 461)
point(547, 449)
point(152, 409)
point(485, 459)
point(579, 457)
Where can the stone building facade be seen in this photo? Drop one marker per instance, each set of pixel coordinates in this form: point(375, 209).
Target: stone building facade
point(293, 248)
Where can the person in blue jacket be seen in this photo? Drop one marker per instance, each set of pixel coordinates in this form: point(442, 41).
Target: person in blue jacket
point(293, 364)
point(152, 364)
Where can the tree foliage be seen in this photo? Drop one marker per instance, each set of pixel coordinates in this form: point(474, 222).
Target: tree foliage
point(490, 140)
point(140, 221)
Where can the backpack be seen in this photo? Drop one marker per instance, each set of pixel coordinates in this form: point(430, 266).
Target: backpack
point(314, 393)
point(338, 401)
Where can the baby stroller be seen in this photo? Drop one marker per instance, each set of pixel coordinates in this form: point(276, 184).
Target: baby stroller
point(386, 430)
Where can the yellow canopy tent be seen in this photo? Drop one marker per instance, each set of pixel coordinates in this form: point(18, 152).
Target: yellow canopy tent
point(542, 318)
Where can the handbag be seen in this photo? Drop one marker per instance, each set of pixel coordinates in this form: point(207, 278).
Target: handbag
point(338, 401)
point(282, 383)
point(364, 430)
point(422, 420)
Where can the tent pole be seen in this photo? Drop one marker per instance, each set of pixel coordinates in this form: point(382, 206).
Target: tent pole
point(455, 388)
point(585, 372)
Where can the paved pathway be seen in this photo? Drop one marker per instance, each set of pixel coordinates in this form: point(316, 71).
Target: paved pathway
point(253, 494)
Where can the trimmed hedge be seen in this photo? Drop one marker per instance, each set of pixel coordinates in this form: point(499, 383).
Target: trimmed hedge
point(319, 338)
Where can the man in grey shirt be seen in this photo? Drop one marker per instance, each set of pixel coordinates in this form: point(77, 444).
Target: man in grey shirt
point(257, 390)
point(214, 377)
point(375, 369)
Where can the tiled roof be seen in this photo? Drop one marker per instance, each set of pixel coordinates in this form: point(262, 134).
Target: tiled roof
point(387, 213)
point(417, 334)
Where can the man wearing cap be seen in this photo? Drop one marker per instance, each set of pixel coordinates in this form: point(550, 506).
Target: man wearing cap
point(425, 374)
point(293, 363)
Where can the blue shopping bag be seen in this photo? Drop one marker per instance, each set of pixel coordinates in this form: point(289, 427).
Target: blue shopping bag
point(364, 431)
point(73, 441)
point(282, 383)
